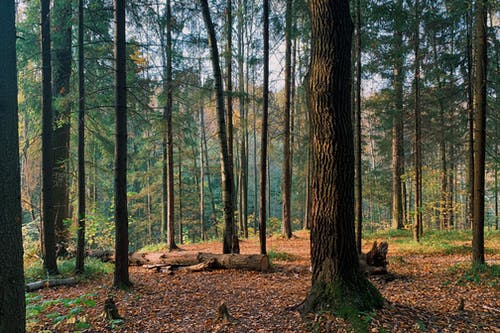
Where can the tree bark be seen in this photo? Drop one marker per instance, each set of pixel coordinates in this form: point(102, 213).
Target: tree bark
point(61, 66)
point(80, 248)
point(479, 133)
point(337, 281)
point(286, 228)
point(12, 303)
point(397, 122)
point(230, 243)
point(470, 122)
point(49, 237)
point(417, 228)
point(265, 116)
point(358, 206)
point(121, 275)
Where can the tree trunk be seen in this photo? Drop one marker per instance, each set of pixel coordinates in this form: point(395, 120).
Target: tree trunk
point(49, 240)
point(121, 276)
point(417, 228)
point(12, 303)
point(286, 229)
point(80, 248)
point(397, 122)
point(479, 133)
point(230, 243)
point(470, 122)
point(358, 206)
point(337, 281)
point(61, 66)
point(265, 116)
point(202, 177)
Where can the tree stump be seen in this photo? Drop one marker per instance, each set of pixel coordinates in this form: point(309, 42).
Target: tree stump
point(110, 309)
point(223, 314)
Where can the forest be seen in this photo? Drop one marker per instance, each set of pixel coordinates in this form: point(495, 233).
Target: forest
point(249, 166)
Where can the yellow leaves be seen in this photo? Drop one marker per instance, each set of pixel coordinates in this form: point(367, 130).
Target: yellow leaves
point(139, 60)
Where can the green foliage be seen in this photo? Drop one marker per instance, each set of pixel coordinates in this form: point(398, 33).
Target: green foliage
point(479, 274)
point(69, 310)
point(280, 256)
point(93, 268)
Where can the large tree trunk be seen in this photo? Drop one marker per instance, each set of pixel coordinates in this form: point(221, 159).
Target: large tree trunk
point(397, 123)
point(286, 185)
point(230, 243)
point(12, 304)
point(337, 281)
point(265, 116)
point(479, 133)
point(80, 248)
point(121, 276)
point(48, 225)
point(61, 65)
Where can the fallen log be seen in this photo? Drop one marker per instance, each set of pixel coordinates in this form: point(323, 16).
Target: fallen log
point(32, 286)
point(197, 261)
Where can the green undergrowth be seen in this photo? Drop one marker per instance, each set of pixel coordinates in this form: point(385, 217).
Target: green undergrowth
point(435, 242)
point(464, 273)
point(61, 311)
point(275, 255)
point(94, 267)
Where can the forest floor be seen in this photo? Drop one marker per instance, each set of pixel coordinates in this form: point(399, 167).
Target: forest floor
point(430, 291)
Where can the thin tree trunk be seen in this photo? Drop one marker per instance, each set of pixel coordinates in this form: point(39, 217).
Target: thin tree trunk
point(202, 177)
point(265, 115)
point(80, 248)
point(479, 133)
point(286, 227)
point(49, 240)
point(230, 244)
point(12, 300)
point(181, 208)
point(470, 122)
point(397, 127)
point(417, 230)
point(121, 276)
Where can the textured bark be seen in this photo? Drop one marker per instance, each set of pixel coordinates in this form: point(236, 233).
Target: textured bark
point(48, 212)
point(481, 62)
point(397, 122)
point(337, 281)
point(265, 116)
point(61, 66)
point(12, 303)
point(470, 122)
point(202, 175)
point(80, 248)
point(170, 144)
point(417, 227)
point(121, 276)
point(358, 206)
point(230, 243)
point(286, 185)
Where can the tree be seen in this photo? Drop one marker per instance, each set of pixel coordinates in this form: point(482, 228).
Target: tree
point(168, 145)
point(265, 116)
point(12, 303)
point(80, 248)
point(121, 276)
point(49, 241)
point(230, 239)
point(287, 155)
point(358, 207)
point(397, 119)
point(61, 66)
point(417, 227)
point(337, 281)
point(480, 95)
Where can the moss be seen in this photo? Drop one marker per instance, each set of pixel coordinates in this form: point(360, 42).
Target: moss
point(345, 299)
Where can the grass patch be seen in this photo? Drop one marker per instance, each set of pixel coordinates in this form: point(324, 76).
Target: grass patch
point(159, 247)
point(478, 274)
point(281, 256)
point(93, 267)
point(435, 242)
